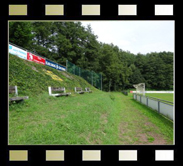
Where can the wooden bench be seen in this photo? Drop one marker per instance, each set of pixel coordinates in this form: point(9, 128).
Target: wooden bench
point(78, 90)
point(57, 89)
point(14, 89)
point(88, 90)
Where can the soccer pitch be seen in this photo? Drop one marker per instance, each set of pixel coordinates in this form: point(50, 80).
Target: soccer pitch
point(163, 96)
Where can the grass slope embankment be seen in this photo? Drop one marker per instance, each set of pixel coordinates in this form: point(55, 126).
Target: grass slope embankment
point(92, 118)
point(33, 79)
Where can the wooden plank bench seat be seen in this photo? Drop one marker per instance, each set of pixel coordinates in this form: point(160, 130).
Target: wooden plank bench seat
point(18, 98)
point(88, 90)
point(58, 89)
point(79, 90)
point(14, 89)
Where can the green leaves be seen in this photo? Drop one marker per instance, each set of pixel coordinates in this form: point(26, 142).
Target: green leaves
point(20, 33)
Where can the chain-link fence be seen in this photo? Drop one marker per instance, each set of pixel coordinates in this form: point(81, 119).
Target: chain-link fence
point(93, 78)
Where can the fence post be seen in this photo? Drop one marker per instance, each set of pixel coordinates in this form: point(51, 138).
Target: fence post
point(147, 101)
point(158, 106)
point(92, 77)
point(66, 65)
point(101, 81)
point(74, 69)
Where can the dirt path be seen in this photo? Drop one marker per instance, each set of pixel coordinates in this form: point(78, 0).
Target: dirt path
point(136, 128)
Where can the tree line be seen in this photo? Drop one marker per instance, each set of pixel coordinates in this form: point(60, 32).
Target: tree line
point(61, 41)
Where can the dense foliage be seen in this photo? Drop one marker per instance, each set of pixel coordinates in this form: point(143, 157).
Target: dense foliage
point(70, 40)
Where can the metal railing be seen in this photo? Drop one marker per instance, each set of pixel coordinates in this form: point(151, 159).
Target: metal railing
point(161, 106)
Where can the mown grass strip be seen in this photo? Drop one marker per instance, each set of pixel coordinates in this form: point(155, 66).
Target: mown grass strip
point(96, 118)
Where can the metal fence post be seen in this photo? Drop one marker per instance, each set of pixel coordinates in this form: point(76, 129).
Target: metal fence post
point(74, 69)
point(66, 65)
point(101, 81)
point(92, 77)
point(158, 106)
point(147, 101)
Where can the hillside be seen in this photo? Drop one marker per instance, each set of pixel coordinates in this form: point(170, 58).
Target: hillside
point(33, 79)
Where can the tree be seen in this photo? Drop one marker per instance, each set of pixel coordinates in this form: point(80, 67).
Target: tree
point(140, 62)
point(20, 33)
point(136, 76)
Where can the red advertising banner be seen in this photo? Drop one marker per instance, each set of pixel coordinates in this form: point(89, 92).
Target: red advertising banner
point(35, 58)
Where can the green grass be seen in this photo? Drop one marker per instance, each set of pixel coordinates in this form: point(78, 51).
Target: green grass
point(150, 139)
point(79, 119)
point(91, 118)
point(163, 96)
point(95, 118)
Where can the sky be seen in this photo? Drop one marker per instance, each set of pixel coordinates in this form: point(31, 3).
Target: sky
point(135, 36)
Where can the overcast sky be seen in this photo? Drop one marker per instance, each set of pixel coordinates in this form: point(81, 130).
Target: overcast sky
point(135, 36)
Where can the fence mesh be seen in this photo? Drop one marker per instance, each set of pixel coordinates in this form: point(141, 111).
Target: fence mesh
point(95, 79)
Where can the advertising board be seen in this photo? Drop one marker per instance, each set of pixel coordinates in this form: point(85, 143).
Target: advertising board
point(35, 58)
point(17, 51)
point(51, 64)
point(61, 68)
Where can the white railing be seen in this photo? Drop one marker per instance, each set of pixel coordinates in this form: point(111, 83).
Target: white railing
point(161, 106)
point(152, 92)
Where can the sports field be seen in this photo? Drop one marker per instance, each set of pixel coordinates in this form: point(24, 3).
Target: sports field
point(163, 96)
